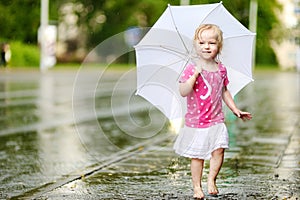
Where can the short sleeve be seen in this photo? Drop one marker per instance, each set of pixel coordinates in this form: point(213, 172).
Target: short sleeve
point(223, 71)
point(187, 73)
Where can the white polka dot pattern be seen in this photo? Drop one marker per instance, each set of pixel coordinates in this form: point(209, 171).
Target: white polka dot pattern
point(203, 113)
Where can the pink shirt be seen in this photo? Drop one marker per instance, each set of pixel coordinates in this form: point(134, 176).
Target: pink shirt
point(203, 113)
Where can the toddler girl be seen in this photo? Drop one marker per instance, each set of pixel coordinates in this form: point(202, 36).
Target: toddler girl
point(204, 84)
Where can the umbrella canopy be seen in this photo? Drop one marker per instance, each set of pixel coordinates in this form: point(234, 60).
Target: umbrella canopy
point(167, 47)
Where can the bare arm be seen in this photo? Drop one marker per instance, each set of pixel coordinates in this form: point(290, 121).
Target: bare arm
point(187, 87)
point(227, 98)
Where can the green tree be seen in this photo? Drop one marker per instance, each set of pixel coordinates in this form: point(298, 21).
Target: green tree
point(108, 17)
point(19, 20)
point(101, 19)
point(267, 22)
point(118, 15)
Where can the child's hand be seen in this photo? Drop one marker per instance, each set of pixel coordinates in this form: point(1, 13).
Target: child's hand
point(196, 72)
point(243, 115)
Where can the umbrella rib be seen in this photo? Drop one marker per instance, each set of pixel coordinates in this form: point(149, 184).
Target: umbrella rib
point(174, 63)
point(169, 6)
point(237, 36)
point(165, 48)
point(211, 11)
point(159, 70)
point(172, 50)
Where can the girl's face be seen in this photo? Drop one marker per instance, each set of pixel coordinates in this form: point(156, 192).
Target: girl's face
point(206, 45)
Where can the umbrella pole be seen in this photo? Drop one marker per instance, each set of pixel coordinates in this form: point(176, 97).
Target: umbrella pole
point(185, 64)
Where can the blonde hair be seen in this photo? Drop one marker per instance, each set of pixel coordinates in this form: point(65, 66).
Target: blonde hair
point(217, 31)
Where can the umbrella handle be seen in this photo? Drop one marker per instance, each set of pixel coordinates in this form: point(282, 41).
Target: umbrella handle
point(209, 89)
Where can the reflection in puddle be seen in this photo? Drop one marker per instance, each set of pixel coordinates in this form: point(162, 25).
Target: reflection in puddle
point(261, 160)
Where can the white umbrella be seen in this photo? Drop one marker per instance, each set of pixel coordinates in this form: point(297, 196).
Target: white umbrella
point(167, 47)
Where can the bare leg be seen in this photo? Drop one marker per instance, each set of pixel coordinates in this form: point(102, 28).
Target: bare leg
point(216, 162)
point(197, 169)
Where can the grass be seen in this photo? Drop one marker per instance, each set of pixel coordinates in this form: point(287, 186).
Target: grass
point(266, 67)
point(113, 66)
point(28, 56)
point(24, 55)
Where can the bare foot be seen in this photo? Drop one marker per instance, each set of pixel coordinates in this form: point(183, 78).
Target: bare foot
point(198, 193)
point(212, 188)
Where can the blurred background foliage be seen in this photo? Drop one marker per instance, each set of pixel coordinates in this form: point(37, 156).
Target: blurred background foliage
point(99, 19)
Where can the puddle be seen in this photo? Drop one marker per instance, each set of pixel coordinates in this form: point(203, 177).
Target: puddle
point(47, 145)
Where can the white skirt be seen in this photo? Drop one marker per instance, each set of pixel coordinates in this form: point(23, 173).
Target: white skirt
point(201, 142)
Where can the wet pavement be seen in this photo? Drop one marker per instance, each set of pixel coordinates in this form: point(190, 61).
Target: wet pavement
point(83, 134)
